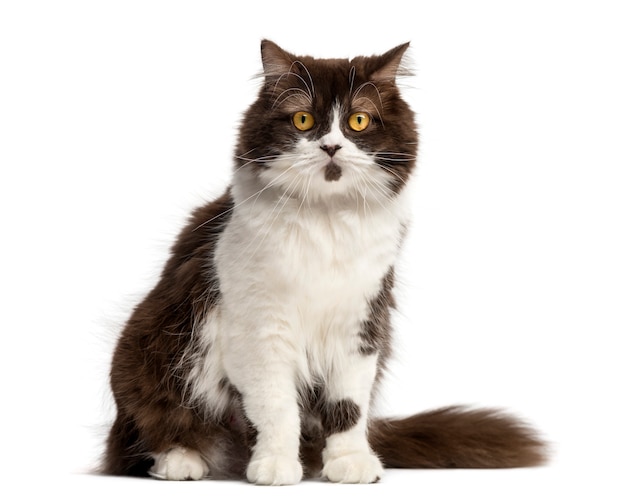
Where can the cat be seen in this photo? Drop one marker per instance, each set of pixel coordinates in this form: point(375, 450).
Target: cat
point(258, 353)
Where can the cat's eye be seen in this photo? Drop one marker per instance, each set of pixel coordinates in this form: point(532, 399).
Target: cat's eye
point(359, 121)
point(303, 120)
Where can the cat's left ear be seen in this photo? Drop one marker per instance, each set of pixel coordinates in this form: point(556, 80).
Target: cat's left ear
point(389, 65)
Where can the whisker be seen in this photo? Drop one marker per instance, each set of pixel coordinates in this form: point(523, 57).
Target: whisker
point(362, 192)
point(312, 88)
point(391, 172)
point(351, 78)
point(265, 159)
point(292, 91)
point(363, 86)
point(305, 195)
point(264, 229)
point(394, 155)
point(257, 194)
point(379, 112)
point(310, 92)
point(381, 187)
point(380, 194)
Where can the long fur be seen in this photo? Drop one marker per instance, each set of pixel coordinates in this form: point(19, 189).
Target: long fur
point(457, 437)
point(258, 352)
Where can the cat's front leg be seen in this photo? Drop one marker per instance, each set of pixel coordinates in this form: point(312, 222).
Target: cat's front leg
point(265, 376)
point(348, 457)
point(273, 410)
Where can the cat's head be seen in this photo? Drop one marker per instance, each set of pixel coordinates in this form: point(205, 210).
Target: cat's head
point(328, 128)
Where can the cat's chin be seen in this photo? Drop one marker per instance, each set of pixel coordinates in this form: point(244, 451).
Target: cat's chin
point(332, 172)
point(318, 180)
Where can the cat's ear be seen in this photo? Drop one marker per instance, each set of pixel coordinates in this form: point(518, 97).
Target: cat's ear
point(388, 66)
point(276, 61)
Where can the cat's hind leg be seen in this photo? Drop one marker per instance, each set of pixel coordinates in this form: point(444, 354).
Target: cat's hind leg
point(178, 445)
point(179, 463)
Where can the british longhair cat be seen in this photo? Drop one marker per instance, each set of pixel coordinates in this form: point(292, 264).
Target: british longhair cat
point(259, 351)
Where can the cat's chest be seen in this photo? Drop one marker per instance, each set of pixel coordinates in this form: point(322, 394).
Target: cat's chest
point(305, 245)
point(331, 256)
point(312, 257)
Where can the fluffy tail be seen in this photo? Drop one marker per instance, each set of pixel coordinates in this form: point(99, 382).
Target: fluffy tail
point(456, 437)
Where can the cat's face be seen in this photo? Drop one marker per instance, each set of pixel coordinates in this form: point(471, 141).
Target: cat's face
point(327, 128)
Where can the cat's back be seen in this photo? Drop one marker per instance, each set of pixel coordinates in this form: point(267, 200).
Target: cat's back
point(163, 323)
point(202, 231)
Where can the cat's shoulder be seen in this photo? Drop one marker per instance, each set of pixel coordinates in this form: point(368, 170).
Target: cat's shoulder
point(205, 224)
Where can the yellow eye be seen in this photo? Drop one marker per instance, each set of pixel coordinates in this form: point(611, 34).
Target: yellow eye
point(359, 121)
point(303, 120)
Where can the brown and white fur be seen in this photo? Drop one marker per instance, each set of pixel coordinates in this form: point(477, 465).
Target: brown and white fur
point(258, 352)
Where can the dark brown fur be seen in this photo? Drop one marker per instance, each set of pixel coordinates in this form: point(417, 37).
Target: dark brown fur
point(263, 133)
point(148, 369)
point(151, 361)
point(456, 437)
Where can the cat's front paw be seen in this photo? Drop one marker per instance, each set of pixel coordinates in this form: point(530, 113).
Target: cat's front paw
point(179, 464)
point(354, 468)
point(274, 471)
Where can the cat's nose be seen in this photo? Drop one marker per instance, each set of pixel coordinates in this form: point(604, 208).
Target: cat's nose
point(330, 149)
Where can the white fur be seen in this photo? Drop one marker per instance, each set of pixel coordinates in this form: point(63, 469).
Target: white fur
point(347, 457)
point(300, 174)
point(179, 464)
point(359, 467)
point(207, 373)
point(298, 264)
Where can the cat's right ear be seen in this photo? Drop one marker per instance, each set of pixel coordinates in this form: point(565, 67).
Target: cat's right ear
point(276, 61)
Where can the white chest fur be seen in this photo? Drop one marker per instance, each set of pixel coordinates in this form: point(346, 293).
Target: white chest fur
point(305, 272)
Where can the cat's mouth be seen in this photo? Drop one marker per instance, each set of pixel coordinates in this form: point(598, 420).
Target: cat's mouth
point(332, 172)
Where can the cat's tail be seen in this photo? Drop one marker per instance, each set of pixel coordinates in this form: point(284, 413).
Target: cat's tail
point(457, 437)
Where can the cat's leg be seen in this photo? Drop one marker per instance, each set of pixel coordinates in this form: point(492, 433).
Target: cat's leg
point(271, 406)
point(265, 375)
point(347, 456)
point(179, 463)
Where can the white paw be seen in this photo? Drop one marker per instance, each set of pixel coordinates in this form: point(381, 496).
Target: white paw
point(354, 468)
point(179, 464)
point(274, 471)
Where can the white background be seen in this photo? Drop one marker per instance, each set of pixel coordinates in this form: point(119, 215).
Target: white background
point(118, 117)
